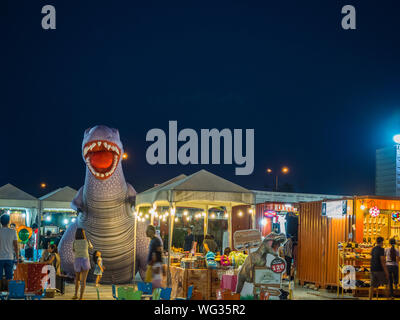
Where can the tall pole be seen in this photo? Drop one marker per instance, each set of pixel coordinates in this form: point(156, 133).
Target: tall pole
point(171, 220)
point(134, 250)
point(276, 183)
point(229, 210)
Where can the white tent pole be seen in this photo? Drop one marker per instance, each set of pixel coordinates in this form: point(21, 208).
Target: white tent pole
point(229, 210)
point(171, 220)
point(206, 220)
point(134, 249)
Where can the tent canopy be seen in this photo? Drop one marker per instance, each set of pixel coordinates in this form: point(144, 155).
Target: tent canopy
point(11, 196)
point(201, 188)
point(58, 199)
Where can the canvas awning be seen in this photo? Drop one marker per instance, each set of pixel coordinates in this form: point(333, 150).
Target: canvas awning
point(12, 197)
point(199, 189)
point(58, 199)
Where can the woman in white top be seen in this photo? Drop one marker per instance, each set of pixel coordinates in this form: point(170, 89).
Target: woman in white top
point(392, 258)
point(81, 248)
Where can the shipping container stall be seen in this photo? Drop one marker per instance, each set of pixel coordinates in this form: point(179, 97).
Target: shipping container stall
point(322, 225)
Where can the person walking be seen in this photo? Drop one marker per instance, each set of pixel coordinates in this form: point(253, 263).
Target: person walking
point(8, 250)
point(81, 247)
point(379, 271)
point(288, 255)
point(392, 259)
point(156, 270)
point(154, 246)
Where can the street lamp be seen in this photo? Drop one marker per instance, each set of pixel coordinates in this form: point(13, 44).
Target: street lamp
point(396, 138)
point(43, 185)
point(284, 170)
point(124, 156)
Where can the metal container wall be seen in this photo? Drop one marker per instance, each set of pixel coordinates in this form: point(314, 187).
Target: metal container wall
point(318, 242)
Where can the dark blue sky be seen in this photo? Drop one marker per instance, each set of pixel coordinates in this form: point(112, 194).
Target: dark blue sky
point(321, 99)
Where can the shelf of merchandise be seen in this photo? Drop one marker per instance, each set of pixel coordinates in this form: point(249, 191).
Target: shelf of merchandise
point(347, 256)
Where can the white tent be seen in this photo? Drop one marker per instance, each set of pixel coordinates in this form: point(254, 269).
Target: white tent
point(200, 190)
point(13, 198)
point(58, 199)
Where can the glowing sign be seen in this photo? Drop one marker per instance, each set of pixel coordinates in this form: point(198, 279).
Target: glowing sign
point(270, 214)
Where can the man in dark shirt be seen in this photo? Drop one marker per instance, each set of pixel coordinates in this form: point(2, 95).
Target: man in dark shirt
point(155, 243)
point(379, 271)
point(188, 244)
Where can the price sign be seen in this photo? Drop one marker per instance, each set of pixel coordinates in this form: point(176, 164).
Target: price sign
point(278, 265)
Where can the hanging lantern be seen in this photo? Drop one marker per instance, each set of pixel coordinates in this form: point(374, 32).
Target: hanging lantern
point(396, 216)
point(374, 211)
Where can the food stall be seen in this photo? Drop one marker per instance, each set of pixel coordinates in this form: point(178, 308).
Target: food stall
point(202, 192)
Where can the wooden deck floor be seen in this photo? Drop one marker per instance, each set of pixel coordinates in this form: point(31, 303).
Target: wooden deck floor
point(90, 292)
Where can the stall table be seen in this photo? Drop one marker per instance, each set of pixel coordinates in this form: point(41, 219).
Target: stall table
point(205, 282)
point(32, 274)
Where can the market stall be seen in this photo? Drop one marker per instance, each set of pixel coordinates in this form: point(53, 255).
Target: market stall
point(55, 210)
point(208, 197)
point(21, 206)
point(320, 231)
point(277, 216)
point(335, 234)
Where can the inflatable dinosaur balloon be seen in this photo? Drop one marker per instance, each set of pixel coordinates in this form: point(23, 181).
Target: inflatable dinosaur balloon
point(105, 210)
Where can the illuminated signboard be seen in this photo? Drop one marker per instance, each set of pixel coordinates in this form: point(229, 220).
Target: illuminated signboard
point(269, 213)
point(334, 209)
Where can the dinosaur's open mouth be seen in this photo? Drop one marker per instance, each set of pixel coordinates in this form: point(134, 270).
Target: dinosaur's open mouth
point(101, 157)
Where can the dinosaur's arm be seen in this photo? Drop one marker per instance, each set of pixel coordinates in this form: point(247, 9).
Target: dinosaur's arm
point(77, 201)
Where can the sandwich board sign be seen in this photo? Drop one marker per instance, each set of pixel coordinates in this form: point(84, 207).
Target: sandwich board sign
point(246, 239)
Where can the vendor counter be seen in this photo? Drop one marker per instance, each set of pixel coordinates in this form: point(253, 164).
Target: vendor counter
point(205, 282)
point(31, 273)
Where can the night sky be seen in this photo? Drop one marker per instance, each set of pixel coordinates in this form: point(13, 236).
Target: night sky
point(321, 99)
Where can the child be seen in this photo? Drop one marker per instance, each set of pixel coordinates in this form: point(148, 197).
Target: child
point(99, 268)
point(156, 267)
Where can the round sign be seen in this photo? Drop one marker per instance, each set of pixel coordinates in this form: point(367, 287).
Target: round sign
point(278, 265)
point(23, 235)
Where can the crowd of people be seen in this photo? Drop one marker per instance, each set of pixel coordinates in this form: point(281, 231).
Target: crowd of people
point(384, 261)
point(384, 267)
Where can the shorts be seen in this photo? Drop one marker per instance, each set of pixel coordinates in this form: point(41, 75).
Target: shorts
point(378, 278)
point(7, 266)
point(81, 264)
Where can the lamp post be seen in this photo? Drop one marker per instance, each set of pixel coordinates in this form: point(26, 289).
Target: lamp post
point(284, 170)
